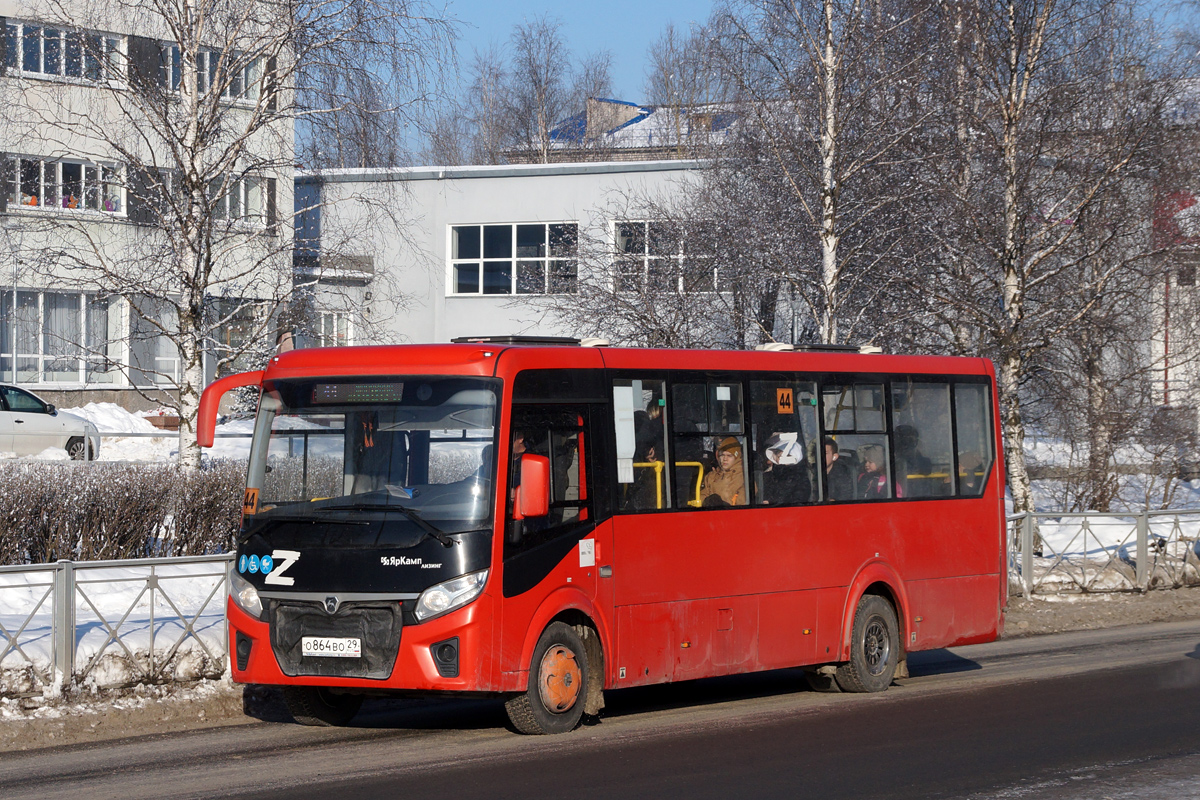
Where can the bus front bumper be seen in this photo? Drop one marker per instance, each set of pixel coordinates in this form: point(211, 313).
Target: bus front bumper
point(252, 659)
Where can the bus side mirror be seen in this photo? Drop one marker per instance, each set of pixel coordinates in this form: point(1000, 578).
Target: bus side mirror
point(533, 495)
point(206, 419)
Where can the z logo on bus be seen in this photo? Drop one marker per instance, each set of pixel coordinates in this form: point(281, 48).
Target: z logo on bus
point(282, 560)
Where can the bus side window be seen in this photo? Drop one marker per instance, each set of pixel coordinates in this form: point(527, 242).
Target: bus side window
point(783, 424)
point(560, 436)
point(708, 418)
point(854, 421)
point(640, 417)
point(921, 438)
point(973, 434)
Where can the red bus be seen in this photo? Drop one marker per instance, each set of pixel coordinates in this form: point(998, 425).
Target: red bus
point(546, 521)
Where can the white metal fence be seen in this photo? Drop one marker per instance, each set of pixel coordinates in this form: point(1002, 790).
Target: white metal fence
point(1093, 552)
point(107, 624)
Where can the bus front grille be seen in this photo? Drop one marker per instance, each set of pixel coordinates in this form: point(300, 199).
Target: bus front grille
point(376, 625)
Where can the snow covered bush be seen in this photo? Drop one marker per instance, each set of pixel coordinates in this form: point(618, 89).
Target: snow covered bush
point(98, 511)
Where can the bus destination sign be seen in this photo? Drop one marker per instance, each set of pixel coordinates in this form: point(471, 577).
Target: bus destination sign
point(337, 393)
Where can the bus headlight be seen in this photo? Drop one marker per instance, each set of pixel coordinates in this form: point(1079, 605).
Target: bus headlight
point(244, 595)
point(448, 596)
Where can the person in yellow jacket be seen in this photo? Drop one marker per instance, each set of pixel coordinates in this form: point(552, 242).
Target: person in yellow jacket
point(725, 484)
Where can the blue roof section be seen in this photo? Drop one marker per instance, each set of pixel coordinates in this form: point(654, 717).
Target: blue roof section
point(723, 120)
point(649, 126)
point(618, 102)
point(571, 129)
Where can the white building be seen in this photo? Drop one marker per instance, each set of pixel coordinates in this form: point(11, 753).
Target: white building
point(473, 250)
point(72, 203)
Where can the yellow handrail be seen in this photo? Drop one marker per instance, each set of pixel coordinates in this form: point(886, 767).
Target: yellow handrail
point(658, 467)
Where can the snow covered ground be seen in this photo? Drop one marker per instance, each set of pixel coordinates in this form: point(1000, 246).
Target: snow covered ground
point(134, 623)
point(110, 418)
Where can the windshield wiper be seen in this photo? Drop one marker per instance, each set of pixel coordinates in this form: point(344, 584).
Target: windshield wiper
point(422, 523)
point(275, 519)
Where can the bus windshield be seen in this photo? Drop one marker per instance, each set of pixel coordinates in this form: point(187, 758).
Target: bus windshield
point(418, 445)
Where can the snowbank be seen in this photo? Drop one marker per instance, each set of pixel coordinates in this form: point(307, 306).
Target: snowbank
point(119, 612)
point(110, 418)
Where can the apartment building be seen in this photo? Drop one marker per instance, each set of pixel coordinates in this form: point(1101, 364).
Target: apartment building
point(100, 242)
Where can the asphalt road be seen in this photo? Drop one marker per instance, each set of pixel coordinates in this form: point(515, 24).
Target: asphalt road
point(1097, 714)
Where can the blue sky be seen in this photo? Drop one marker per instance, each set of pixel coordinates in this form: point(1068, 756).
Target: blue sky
point(623, 27)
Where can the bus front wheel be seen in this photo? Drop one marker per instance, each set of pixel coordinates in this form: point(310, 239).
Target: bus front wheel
point(557, 689)
point(874, 647)
point(316, 705)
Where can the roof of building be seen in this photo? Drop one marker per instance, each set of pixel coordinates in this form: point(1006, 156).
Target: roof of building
point(385, 174)
point(618, 125)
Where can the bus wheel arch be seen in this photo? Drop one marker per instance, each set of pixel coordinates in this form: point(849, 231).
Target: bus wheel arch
point(877, 579)
point(557, 685)
point(575, 609)
point(875, 647)
point(593, 647)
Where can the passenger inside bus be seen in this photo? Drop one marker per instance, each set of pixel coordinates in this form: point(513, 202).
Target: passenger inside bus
point(872, 482)
point(839, 476)
point(648, 490)
point(785, 479)
point(970, 474)
point(914, 469)
point(725, 484)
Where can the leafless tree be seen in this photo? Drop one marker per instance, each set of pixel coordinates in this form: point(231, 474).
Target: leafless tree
point(683, 80)
point(1048, 120)
point(539, 91)
point(790, 229)
point(653, 273)
point(516, 96)
point(816, 86)
point(473, 128)
point(358, 95)
point(191, 127)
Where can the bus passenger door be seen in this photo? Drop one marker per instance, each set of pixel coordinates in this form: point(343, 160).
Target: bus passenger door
point(557, 552)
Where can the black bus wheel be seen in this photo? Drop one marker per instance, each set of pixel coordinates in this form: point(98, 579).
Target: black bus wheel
point(558, 679)
point(316, 705)
point(874, 647)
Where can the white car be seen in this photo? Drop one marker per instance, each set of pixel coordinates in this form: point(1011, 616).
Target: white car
point(29, 425)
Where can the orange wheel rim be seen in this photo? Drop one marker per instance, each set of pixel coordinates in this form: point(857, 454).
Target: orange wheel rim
point(559, 679)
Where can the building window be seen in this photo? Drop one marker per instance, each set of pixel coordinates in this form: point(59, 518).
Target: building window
point(333, 329)
point(522, 258)
point(1185, 272)
point(231, 73)
point(64, 185)
point(46, 50)
point(60, 337)
point(662, 257)
point(153, 358)
point(238, 199)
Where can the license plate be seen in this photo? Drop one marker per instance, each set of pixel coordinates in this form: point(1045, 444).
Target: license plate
point(330, 647)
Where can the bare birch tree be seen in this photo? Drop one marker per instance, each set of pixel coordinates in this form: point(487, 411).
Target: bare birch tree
point(1049, 121)
point(190, 127)
point(826, 89)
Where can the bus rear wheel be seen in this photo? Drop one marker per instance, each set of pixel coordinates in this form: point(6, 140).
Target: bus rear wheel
point(316, 705)
point(874, 647)
point(557, 689)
